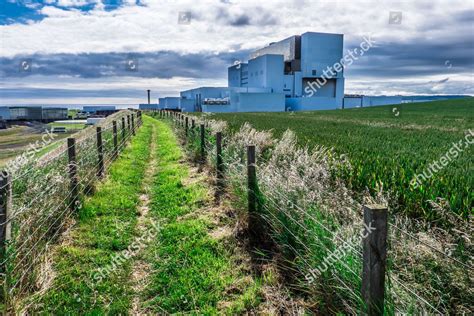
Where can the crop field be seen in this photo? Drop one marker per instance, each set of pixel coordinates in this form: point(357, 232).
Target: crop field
point(388, 146)
point(18, 139)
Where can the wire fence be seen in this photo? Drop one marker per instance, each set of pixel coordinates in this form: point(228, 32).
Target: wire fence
point(317, 225)
point(38, 202)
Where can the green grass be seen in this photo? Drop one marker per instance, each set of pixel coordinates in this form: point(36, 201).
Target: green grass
point(69, 127)
point(106, 226)
point(191, 270)
point(388, 150)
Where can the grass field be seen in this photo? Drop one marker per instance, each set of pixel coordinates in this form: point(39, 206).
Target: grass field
point(17, 140)
point(69, 127)
point(388, 146)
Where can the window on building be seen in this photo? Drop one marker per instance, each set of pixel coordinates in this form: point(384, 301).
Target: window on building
point(314, 72)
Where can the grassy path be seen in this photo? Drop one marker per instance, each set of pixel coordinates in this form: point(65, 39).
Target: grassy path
point(195, 266)
point(150, 241)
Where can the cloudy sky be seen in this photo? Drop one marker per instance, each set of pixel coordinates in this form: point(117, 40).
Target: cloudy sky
point(105, 51)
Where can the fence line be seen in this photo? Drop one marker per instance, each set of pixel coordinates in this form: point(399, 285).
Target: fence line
point(33, 231)
point(374, 248)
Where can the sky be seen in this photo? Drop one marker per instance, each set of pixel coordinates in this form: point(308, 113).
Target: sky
point(110, 52)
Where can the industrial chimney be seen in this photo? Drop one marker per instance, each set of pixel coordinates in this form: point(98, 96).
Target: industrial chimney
point(148, 91)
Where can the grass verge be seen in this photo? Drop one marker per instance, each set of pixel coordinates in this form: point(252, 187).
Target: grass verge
point(105, 228)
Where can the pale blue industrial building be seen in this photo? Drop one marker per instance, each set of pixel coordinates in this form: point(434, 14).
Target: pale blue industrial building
point(295, 74)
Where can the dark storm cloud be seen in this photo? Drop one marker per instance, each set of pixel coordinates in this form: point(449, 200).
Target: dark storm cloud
point(241, 20)
point(147, 65)
point(261, 17)
point(416, 57)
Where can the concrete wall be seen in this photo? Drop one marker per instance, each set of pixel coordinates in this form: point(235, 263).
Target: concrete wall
point(267, 71)
point(237, 75)
point(318, 51)
point(311, 104)
point(350, 103)
point(169, 103)
point(261, 102)
point(381, 100)
point(187, 105)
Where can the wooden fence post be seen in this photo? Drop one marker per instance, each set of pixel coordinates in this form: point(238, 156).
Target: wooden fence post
point(115, 138)
point(124, 135)
point(5, 209)
point(72, 164)
point(128, 123)
point(100, 153)
point(219, 163)
point(252, 187)
point(374, 258)
point(203, 145)
point(186, 126)
point(133, 124)
point(5, 231)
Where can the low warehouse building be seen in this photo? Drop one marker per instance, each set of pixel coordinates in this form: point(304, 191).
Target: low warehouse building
point(4, 113)
point(104, 110)
point(26, 113)
point(54, 114)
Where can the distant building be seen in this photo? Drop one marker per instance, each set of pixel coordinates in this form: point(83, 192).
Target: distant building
point(148, 106)
point(300, 73)
point(275, 78)
point(4, 113)
point(26, 113)
point(104, 110)
point(54, 114)
point(33, 113)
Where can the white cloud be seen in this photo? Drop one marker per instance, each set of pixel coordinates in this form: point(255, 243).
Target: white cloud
point(155, 26)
